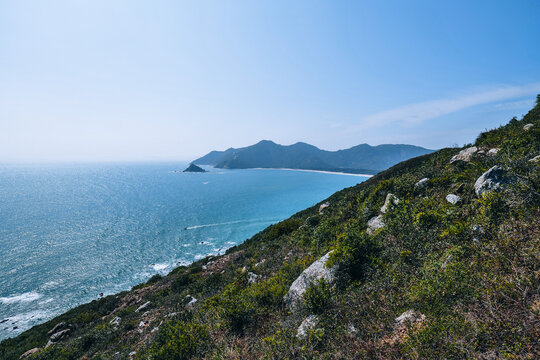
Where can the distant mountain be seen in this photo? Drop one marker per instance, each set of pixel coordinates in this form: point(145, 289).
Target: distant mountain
point(267, 154)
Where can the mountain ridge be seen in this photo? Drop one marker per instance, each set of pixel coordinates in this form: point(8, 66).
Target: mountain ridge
point(362, 158)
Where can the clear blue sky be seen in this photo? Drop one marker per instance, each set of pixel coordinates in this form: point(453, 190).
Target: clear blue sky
point(171, 80)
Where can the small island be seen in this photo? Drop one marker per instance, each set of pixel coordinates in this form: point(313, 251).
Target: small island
point(194, 168)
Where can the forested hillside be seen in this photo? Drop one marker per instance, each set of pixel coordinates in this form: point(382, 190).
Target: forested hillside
point(437, 257)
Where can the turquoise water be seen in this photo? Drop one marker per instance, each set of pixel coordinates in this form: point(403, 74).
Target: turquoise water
point(70, 232)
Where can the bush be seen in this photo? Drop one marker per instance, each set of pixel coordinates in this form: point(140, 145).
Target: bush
point(319, 297)
point(179, 341)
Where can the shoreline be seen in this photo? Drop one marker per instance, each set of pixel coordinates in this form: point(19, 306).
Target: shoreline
point(315, 171)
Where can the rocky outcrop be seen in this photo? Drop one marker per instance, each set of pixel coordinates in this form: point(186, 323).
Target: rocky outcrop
point(29, 352)
point(464, 155)
point(309, 323)
point(194, 168)
point(59, 335)
point(391, 200)
point(495, 179)
point(143, 306)
point(453, 199)
point(314, 273)
point(535, 159)
point(527, 127)
point(323, 206)
point(409, 316)
point(374, 224)
point(190, 301)
point(493, 152)
point(253, 278)
point(57, 328)
point(422, 183)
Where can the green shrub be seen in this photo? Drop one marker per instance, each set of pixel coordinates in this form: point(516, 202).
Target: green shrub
point(180, 341)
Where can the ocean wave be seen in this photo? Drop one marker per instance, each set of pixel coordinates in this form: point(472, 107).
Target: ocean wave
point(22, 298)
point(159, 267)
point(228, 223)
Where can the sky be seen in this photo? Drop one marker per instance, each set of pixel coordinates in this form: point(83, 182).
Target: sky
point(172, 80)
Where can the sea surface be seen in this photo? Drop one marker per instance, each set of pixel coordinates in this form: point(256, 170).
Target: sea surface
point(70, 232)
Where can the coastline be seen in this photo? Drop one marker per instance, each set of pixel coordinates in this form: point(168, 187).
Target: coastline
point(315, 171)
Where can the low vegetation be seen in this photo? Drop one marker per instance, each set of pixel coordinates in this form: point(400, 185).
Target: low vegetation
point(437, 280)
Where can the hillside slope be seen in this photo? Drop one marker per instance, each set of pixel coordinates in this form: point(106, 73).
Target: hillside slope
point(423, 275)
point(267, 154)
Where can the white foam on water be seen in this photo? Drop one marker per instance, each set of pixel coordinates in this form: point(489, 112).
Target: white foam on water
point(49, 285)
point(159, 267)
point(228, 223)
point(18, 323)
point(22, 298)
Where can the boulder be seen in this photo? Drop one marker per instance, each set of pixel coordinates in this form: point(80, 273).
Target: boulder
point(535, 159)
point(315, 272)
point(391, 200)
point(143, 306)
point(29, 352)
point(495, 179)
point(464, 155)
point(191, 301)
point(59, 335)
point(56, 328)
point(527, 127)
point(253, 278)
point(323, 206)
point(409, 316)
point(115, 321)
point(422, 183)
point(453, 199)
point(493, 152)
point(309, 323)
point(375, 224)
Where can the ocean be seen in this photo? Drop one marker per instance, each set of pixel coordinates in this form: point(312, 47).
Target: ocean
point(69, 232)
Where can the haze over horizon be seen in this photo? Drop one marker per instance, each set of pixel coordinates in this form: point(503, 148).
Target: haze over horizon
point(134, 81)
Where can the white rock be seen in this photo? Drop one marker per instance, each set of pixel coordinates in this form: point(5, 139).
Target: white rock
point(29, 352)
point(527, 127)
point(143, 306)
point(391, 200)
point(409, 316)
point(535, 159)
point(309, 323)
point(422, 183)
point(260, 263)
point(253, 278)
point(493, 152)
point(464, 155)
point(375, 224)
point(191, 302)
point(494, 179)
point(315, 272)
point(453, 199)
point(323, 206)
